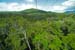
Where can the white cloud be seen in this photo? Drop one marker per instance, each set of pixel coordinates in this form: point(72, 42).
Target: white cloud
point(57, 8)
point(71, 0)
point(30, 0)
point(69, 3)
point(15, 6)
point(62, 8)
point(22, 6)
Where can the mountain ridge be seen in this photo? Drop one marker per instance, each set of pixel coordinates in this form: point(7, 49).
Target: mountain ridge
point(32, 10)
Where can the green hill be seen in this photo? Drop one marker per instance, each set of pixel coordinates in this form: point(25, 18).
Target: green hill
point(32, 10)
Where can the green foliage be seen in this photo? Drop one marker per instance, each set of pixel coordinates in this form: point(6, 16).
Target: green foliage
point(44, 30)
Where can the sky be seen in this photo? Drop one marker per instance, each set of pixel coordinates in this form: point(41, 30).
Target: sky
point(47, 5)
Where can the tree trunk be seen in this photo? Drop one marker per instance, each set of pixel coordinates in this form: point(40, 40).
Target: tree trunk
point(25, 36)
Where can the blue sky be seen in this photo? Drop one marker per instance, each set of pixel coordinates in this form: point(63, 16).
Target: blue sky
point(47, 5)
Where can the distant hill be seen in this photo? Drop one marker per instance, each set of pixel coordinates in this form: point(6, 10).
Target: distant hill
point(32, 11)
point(30, 14)
point(70, 12)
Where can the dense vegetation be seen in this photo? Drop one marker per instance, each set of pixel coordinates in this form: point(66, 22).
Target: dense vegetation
point(37, 30)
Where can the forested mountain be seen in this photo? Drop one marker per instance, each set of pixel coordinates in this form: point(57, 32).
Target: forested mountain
point(34, 29)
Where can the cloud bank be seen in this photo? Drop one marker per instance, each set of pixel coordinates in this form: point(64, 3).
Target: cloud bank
point(14, 6)
point(65, 6)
